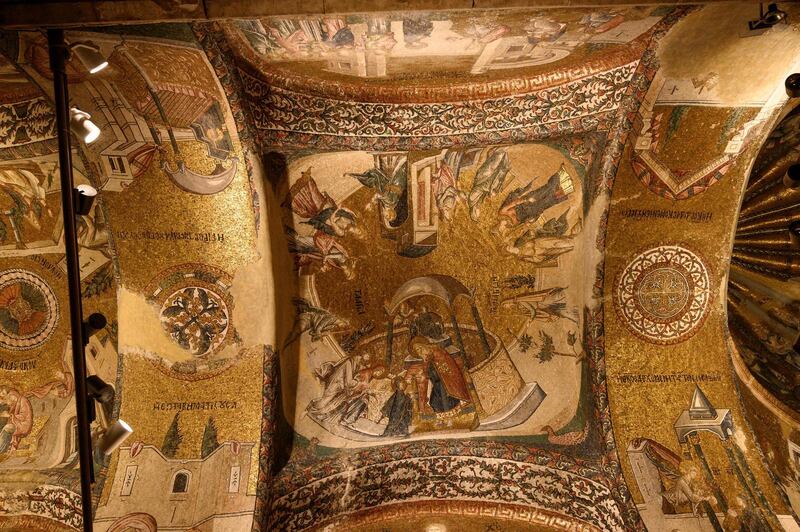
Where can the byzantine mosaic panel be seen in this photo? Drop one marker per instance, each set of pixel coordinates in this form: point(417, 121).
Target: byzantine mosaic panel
point(359, 222)
point(692, 459)
point(433, 248)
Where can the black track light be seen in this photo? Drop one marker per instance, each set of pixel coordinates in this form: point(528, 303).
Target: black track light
point(791, 179)
point(99, 390)
point(793, 85)
point(92, 325)
point(84, 196)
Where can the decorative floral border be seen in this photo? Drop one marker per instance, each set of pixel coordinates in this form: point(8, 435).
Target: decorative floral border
point(52, 502)
point(450, 478)
point(270, 405)
point(287, 118)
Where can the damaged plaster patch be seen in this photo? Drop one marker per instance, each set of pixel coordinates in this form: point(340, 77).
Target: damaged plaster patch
point(141, 329)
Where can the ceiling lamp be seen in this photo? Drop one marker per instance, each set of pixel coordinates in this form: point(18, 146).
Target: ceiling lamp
point(84, 198)
point(89, 54)
point(81, 125)
point(114, 436)
point(92, 325)
point(793, 85)
point(99, 390)
point(102, 392)
point(766, 20)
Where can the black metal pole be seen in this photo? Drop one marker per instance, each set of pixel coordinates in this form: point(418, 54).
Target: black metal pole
point(58, 56)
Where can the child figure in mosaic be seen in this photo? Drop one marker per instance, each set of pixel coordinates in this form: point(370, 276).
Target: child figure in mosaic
point(398, 410)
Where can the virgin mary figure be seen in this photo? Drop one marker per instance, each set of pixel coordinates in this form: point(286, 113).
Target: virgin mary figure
point(445, 372)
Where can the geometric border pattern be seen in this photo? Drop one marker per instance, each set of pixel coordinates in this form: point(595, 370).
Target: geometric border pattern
point(649, 176)
point(497, 512)
point(285, 117)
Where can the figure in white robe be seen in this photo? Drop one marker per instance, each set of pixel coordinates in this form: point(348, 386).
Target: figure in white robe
point(489, 180)
point(338, 381)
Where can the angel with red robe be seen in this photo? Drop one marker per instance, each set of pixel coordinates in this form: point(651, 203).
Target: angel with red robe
point(330, 222)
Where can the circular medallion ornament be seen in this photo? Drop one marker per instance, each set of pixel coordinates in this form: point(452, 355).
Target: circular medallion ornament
point(195, 308)
point(196, 318)
point(28, 310)
point(662, 296)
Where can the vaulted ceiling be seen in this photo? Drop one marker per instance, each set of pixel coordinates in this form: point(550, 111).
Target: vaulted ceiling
point(486, 269)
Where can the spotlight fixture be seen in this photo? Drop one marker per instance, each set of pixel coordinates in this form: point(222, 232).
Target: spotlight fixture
point(92, 325)
point(84, 196)
point(791, 179)
point(767, 19)
point(81, 125)
point(114, 436)
point(793, 85)
point(99, 390)
point(89, 54)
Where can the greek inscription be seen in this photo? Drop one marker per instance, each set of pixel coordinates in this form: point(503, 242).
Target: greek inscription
point(669, 214)
point(494, 294)
point(660, 378)
point(49, 266)
point(196, 405)
point(171, 236)
point(17, 365)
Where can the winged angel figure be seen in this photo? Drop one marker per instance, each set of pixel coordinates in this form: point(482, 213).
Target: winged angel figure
point(321, 250)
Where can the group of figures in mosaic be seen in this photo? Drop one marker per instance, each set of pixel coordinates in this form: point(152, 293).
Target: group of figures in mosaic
point(426, 357)
point(376, 45)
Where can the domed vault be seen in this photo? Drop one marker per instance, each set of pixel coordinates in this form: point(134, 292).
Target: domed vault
point(483, 269)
